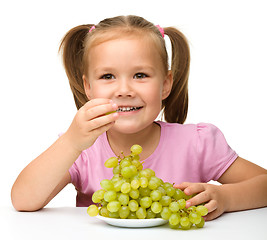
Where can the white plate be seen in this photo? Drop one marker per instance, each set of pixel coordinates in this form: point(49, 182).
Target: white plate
point(133, 223)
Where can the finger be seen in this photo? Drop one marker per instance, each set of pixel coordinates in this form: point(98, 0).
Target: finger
point(194, 188)
point(101, 121)
point(211, 206)
point(102, 129)
point(100, 110)
point(198, 199)
point(96, 101)
point(182, 185)
point(212, 215)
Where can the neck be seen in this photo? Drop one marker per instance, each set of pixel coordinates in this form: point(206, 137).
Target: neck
point(148, 138)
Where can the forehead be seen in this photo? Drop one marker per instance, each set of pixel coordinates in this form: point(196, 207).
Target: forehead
point(127, 50)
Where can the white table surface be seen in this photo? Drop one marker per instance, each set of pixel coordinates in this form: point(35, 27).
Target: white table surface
point(74, 223)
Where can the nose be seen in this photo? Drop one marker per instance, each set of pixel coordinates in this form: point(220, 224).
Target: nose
point(124, 88)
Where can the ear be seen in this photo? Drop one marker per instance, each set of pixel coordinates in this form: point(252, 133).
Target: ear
point(167, 85)
point(86, 86)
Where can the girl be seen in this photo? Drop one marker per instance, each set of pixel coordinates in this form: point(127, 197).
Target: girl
point(120, 67)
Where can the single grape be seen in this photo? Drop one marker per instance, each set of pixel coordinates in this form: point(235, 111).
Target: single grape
point(117, 169)
point(125, 187)
point(132, 215)
point(116, 177)
point(118, 184)
point(134, 194)
point(165, 201)
point(133, 169)
point(111, 162)
point(144, 173)
point(114, 206)
point(174, 226)
point(162, 190)
point(135, 184)
point(187, 227)
point(104, 212)
point(92, 210)
point(113, 214)
point(179, 194)
point(174, 207)
point(191, 209)
point(143, 182)
point(98, 196)
point(153, 183)
point(110, 195)
point(166, 185)
point(165, 213)
point(123, 199)
point(181, 203)
point(155, 195)
point(151, 172)
point(136, 162)
point(144, 192)
point(201, 224)
point(156, 207)
point(150, 214)
point(133, 205)
point(125, 163)
point(141, 213)
point(136, 149)
point(124, 212)
point(145, 202)
point(170, 191)
point(156, 179)
point(126, 172)
point(107, 184)
point(136, 157)
point(184, 221)
point(203, 211)
point(174, 219)
point(194, 218)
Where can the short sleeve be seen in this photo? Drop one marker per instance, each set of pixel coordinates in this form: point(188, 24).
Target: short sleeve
point(214, 153)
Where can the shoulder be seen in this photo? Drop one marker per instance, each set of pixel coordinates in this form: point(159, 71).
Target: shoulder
point(193, 135)
point(199, 128)
point(189, 131)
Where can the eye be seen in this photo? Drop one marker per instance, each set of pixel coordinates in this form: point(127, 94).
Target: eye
point(107, 76)
point(140, 75)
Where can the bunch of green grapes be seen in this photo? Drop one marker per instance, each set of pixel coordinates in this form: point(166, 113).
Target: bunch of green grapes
point(136, 193)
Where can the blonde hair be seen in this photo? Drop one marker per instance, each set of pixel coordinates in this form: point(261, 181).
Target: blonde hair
point(76, 44)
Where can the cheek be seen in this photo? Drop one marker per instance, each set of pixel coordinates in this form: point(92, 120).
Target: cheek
point(98, 91)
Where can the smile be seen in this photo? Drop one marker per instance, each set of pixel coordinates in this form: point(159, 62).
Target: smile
point(128, 109)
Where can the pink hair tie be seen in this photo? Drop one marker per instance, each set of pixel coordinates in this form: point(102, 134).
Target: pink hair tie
point(92, 28)
point(161, 30)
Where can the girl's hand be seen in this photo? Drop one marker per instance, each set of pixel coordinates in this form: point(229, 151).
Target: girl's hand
point(91, 121)
point(210, 194)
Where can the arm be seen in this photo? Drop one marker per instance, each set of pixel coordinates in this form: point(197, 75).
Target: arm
point(46, 175)
point(247, 183)
point(244, 186)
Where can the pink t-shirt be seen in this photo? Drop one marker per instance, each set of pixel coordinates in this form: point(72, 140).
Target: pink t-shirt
point(186, 152)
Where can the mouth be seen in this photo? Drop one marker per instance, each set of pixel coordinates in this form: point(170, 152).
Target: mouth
point(128, 109)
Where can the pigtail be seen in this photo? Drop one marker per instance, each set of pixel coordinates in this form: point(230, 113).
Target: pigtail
point(176, 104)
point(72, 51)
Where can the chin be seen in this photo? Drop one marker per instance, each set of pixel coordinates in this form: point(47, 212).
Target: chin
point(127, 127)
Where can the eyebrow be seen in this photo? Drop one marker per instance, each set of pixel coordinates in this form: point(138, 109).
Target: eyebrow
point(134, 68)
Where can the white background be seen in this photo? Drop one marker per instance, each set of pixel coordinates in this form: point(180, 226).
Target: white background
point(227, 84)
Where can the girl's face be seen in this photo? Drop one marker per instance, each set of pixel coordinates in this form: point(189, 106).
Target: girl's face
point(128, 71)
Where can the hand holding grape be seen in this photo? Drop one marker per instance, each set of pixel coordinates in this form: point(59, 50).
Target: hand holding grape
point(91, 121)
point(205, 193)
